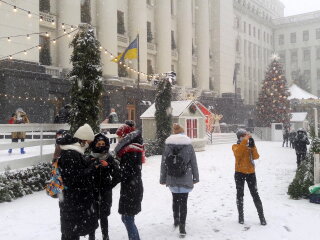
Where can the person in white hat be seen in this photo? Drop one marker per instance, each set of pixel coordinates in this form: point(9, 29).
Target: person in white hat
point(77, 214)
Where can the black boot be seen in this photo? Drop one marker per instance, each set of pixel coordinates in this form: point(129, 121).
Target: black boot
point(176, 222)
point(105, 237)
point(92, 236)
point(263, 221)
point(182, 230)
point(241, 219)
point(240, 211)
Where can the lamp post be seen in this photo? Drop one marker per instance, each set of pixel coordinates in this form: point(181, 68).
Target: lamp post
point(316, 155)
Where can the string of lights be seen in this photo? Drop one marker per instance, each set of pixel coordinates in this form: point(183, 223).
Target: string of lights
point(63, 26)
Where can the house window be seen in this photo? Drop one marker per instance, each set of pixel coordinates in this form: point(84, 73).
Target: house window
point(122, 71)
point(254, 31)
point(172, 7)
point(318, 53)
point(149, 32)
point(85, 11)
point(281, 39)
point(44, 53)
point(120, 27)
point(264, 36)
point(259, 33)
point(244, 27)
point(318, 33)
point(294, 56)
point(131, 110)
point(44, 6)
point(306, 35)
point(293, 37)
point(192, 128)
point(173, 41)
point(306, 55)
point(238, 45)
point(249, 29)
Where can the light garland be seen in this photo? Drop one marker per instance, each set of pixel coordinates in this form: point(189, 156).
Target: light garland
point(31, 14)
point(41, 99)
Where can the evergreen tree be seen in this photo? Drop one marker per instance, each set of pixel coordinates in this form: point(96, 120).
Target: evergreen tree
point(273, 105)
point(86, 78)
point(163, 113)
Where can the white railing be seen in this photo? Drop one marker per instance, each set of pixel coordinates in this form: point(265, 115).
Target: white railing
point(36, 132)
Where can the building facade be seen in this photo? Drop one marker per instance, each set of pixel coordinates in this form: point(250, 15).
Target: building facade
point(203, 41)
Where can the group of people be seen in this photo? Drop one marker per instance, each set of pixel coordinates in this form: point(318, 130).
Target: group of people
point(298, 141)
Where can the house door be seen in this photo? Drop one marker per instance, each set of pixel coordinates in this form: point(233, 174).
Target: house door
point(131, 109)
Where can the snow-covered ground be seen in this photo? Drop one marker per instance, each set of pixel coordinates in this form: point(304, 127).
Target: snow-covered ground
point(212, 212)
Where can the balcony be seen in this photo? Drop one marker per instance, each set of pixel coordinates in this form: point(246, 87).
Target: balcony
point(152, 48)
point(123, 40)
point(47, 20)
point(55, 72)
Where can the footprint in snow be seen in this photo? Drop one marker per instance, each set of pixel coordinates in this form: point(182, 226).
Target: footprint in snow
point(287, 228)
point(246, 228)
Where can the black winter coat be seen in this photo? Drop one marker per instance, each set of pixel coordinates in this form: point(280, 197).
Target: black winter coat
point(301, 143)
point(77, 213)
point(131, 192)
point(104, 179)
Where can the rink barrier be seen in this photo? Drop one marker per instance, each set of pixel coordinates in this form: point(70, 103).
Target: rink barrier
point(41, 130)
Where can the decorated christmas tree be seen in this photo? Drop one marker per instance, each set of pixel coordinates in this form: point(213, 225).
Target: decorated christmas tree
point(86, 78)
point(163, 112)
point(273, 105)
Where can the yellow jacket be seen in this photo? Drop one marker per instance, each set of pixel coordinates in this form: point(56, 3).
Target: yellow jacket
point(242, 154)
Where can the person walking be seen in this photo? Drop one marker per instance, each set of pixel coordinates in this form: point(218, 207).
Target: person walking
point(104, 179)
point(292, 136)
point(20, 117)
point(245, 153)
point(285, 137)
point(179, 172)
point(130, 154)
point(301, 141)
point(77, 212)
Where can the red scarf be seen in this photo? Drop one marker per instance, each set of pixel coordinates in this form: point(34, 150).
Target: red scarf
point(134, 147)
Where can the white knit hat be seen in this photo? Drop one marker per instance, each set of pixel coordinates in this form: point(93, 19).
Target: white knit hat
point(84, 133)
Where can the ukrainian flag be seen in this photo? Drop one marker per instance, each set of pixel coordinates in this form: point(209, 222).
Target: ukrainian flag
point(130, 53)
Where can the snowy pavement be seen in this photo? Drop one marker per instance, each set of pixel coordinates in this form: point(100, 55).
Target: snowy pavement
point(212, 213)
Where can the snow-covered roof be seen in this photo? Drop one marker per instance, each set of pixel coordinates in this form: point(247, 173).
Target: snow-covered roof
point(177, 109)
point(298, 116)
point(299, 93)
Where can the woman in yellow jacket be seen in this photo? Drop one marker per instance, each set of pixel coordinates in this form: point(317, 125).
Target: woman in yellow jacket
point(245, 153)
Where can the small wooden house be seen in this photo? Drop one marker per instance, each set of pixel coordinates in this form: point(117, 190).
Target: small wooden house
point(185, 113)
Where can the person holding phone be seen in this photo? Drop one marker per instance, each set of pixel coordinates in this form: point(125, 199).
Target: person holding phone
point(245, 153)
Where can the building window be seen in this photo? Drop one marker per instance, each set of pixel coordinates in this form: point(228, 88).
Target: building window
point(238, 45)
point(282, 56)
point(173, 41)
point(237, 22)
point(281, 39)
point(264, 36)
point(306, 55)
point(318, 53)
point(294, 56)
point(44, 6)
point(149, 67)
point(306, 35)
point(149, 32)
point(307, 75)
point(254, 31)
point(192, 128)
point(85, 11)
point(172, 7)
point(268, 37)
point(249, 29)
point(293, 37)
point(131, 109)
point(244, 27)
point(259, 33)
point(120, 27)
point(318, 33)
point(44, 53)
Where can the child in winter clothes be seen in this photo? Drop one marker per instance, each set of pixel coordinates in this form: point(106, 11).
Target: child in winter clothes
point(77, 214)
point(104, 178)
point(130, 154)
point(180, 184)
point(245, 153)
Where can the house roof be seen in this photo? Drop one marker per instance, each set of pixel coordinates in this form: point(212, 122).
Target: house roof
point(299, 93)
point(298, 116)
point(177, 109)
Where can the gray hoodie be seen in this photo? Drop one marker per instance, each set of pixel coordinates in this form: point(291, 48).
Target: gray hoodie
point(183, 143)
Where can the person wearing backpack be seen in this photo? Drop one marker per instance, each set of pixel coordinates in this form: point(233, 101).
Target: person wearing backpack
point(179, 171)
point(77, 213)
point(130, 152)
point(245, 152)
point(104, 179)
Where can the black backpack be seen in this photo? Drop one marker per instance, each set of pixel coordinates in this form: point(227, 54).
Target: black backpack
point(176, 165)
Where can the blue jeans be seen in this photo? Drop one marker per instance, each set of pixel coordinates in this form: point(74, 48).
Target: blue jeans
point(131, 227)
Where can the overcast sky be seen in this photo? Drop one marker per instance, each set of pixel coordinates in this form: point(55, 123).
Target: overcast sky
point(293, 7)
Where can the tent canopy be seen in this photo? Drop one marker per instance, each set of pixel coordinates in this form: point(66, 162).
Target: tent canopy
point(298, 93)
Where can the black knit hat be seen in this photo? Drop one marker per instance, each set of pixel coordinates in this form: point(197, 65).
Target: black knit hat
point(97, 138)
point(241, 132)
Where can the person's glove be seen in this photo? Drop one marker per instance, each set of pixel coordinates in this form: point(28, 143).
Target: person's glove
point(251, 143)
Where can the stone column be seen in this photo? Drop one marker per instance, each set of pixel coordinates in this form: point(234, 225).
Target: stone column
point(107, 33)
point(163, 36)
point(138, 25)
point(68, 12)
point(184, 19)
point(203, 43)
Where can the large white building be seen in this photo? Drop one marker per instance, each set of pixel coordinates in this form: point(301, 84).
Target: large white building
point(201, 40)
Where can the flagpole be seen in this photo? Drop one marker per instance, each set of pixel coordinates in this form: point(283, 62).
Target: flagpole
point(138, 86)
point(138, 40)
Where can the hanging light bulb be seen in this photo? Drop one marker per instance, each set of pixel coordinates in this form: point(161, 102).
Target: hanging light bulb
point(41, 18)
point(71, 27)
point(9, 39)
point(47, 34)
point(53, 22)
point(10, 56)
point(69, 35)
point(62, 25)
point(54, 41)
point(15, 9)
point(64, 31)
point(29, 14)
point(25, 52)
point(28, 36)
point(39, 47)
